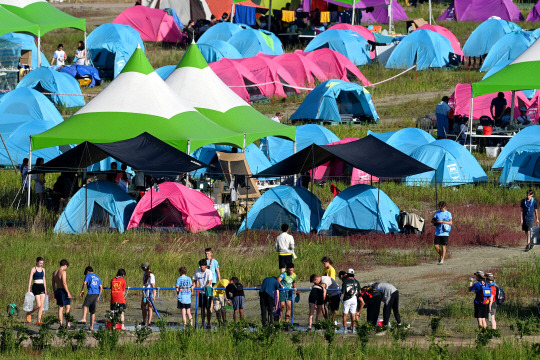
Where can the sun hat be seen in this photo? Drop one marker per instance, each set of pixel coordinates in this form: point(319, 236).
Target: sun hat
point(490, 276)
point(350, 271)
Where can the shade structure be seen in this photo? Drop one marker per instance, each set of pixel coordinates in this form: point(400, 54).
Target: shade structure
point(346, 42)
point(27, 42)
point(528, 136)
point(101, 204)
point(176, 205)
point(447, 34)
point(360, 208)
point(360, 30)
point(486, 35)
point(336, 65)
point(522, 165)
point(152, 24)
point(534, 15)
point(212, 98)
point(509, 47)
point(138, 100)
point(368, 154)
point(304, 71)
point(480, 10)
point(215, 50)
point(405, 140)
point(521, 74)
point(380, 13)
point(43, 14)
point(13, 23)
point(237, 76)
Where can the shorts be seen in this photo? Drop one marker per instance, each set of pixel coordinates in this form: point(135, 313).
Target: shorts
point(61, 297)
point(38, 289)
point(349, 306)
point(527, 225)
point(90, 301)
point(238, 302)
point(205, 301)
point(219, 304)
point(316, 296)
point(285, 296)
point(180, 305)
point(114, 306)
point(441, 240)
point(333, 302)
point(481, 311)
point(284, 260)
point(493, 309)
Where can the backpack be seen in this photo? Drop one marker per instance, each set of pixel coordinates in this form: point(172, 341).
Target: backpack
point(351, 289)
point(486, 293)
point(501, 296)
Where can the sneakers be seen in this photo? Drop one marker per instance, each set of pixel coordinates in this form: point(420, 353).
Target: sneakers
point(382, 333)
point(408, 326)
point(28, 318)
point(527, 247)
point(441, 263)
point(39, 323)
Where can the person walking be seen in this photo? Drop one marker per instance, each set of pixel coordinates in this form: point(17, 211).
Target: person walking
point(38, 285)
point(61, 291)
point(95, 289)
point(442, 220)
point(482, 298)
point(203, 280)
point(267, 297)
point(390, 299)
point(529, 212)
point(284, 248)
point(492, 303)
point(149, 284)
point(350, 288)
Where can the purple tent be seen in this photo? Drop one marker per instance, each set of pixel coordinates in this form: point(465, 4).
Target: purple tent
point(481, 10)
point(380, 14)
point(534, 15)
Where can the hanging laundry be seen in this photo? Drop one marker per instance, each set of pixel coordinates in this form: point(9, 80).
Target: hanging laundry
point(287, 16)
point(244, 15)
point(325, 16)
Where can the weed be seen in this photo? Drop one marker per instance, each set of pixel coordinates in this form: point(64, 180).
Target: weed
point(142, 333)
point(400, 333)
point(363, 332)
point(529, 326)
point(329, 329)
point(485, 335)
point(10, 340)
point(43, 339)
point(438, 349)
point(435, 324)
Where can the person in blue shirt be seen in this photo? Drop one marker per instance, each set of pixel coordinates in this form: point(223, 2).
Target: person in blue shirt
point(184, 288)
point(267, 294)
point(442, 220)
point(213, 266)
point(481, 308)
point(529, 212)
point(95, 288)
point(443, 111)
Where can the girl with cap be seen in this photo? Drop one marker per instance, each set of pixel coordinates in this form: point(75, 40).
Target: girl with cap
point(492, 304)
point(149, 283)
point(481, 305)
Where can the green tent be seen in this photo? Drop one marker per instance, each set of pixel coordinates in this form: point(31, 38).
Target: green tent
point(10, 22)
point(42, 13)
point(138, 100)
point(215, 100)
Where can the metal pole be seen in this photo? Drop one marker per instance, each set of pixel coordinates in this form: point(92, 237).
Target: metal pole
point(85, 50)
point(378, 197)
point(390, 17)
point(430, 14)
point(294, 151)
point(352, 20)
point(269, 15)
point(196, 306)
point(436, 194)
point(512, 109)
point(471, 122)
point(9, 155)
point(28, 183)
point(244, 148)
point(39, 48)
point(232, 11)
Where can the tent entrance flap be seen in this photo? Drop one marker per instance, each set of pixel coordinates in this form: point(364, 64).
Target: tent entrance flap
point(272, 216)
point(163, 215)
point(101, 219)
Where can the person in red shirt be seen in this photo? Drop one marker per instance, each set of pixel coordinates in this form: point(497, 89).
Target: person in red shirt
point(118, 293)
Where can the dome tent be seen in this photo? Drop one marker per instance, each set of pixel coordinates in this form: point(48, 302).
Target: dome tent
point(171, 204)
point(486, 35)
point(405, 140)
point(302, 69)
point(295, 206)
point(346, 42)
point(447, 34)
point(480, 10)
point(534, 15)
point(507, 49)
point(249, 42)
point(27, 42)
point(215, 50)
point(101, 204)
point(336, 65)
point(522, 165)
point(360, 208)
point(528, 136)
point(360, 30)
point(221, 31)
point(152, 24)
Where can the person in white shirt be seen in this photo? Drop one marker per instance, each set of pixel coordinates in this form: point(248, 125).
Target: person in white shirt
point(285, 248)
point(59, 58)
point(149, 283)
point(278, 117)
point(523, 118)
point(80, 54)
point(203, 279)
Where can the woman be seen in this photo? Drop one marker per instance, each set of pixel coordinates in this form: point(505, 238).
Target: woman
point(149, 283)
point(38, 288)
point(80, 54)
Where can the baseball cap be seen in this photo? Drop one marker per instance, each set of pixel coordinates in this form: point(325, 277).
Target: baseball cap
point(490, 276)
point(480, 273)
point(145, 265)
point(523, 108)
point(350, 271)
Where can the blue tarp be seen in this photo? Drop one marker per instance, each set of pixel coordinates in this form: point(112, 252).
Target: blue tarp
point(27, 42)
point(486, 35)
point(528, 136)
point(25, 112)
point(405, 140)
point(277, 149)
point(173, 13)
point(284, 205)
point(425, 48)
point(165, 71)
point(46, 79)
point(346, 42)
point(453, 164)
point(215, 50)
point(507, 49)
point(250, 42)
point(221, 31)
point(81, 71)
point(335, 97)
point(92, 205)
point(244, 15)
point(522, 165)
point(111, 45)
point(355, 209)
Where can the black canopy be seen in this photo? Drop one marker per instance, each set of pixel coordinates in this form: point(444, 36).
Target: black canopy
point(369, 154)
point(145, 153)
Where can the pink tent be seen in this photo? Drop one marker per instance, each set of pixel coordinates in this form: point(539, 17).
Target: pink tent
point(534, 15)
point(336, 65)
point(334, 169)
point(270, 76)
point(460, 101)
point(236, 76)
point(302, 69)
point(360, 30)
point(447, 34)
point(175, 205)
point(153, 24)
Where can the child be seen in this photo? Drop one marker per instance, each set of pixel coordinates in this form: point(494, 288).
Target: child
point(118, 294)
point(149, 283)
point(93, 283)
point(328, 268)
point(235, 294)
point(350, 289)
point(220, 300)
point(287, 280)
point(492, 303)
point(481, 301)
point(59, 57)
point(184, 288)
point(316, 299)
point(442, 220)
point(203, 281)
point(529, 212)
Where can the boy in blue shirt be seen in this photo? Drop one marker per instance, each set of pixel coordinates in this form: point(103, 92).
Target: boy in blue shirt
point(213, 266)
point(529, 212)
point(481, 308)
point(184, 288)
point(442, 220)
point(95, 288)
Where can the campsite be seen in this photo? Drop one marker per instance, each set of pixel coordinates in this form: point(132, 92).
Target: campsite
point(169, 138)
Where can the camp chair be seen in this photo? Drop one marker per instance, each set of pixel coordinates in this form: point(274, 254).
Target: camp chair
point(425, 123)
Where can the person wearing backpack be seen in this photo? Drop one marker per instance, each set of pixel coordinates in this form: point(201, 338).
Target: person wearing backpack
point(370, 299)
point(497, 298)
point(482, 299)
point(350, 288)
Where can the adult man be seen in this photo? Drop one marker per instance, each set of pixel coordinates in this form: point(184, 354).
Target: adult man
point(61, 291)
point(443, 112)
point(390, 299)
point(267, 294)
point(288, 281)
point(95, 288)
point(203, 280)
point(284, 247)
point(350, 288)
point(278, 117)
point(523, 118)
point(529, 212)
point(497, 108)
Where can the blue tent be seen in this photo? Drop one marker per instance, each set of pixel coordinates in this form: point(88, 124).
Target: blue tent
point(346, 42)
point(425, 48)
point(360, 208)
point(221, 31)
point(47, 80)
point(528, 136)
point(250, 42)
point(27, 42)
point(507, 49)
point(215, 50)
point(277, 149)
point(335, 97)
point(405, 140)
point(111, 45)
point(486, 35)
point(453, 165)
point(284, 205)
point(100, 204)
point(25, 112)
point(165, 71)
point(522, 165)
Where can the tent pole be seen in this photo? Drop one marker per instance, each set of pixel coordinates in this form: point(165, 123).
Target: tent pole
point(311, 195)
point(353, 8)
point(430, 14)
point(27, 180)
point(244, 148)
point(269, 15)
point(189, 153)
point(9, 155)
point(390, 17)
point(378, 198)
point(85, 50)
point(436, 193)
point(86, 209)
point(294, 151)
point(471, 122)
point(513, 105)
point(232, 11)
point(151, 205)
point(39, 47)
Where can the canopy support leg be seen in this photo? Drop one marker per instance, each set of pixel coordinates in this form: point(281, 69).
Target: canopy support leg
point(294, 151)
point(7, 151)
point(390, 17)
point(353, 9)
point(471, 122)
point(269, 15)
point(436, 193)
point(85, 50)
point(39, 48)
point(430, 13)
point(378, 198)
point(232, 11)
point(27, 179)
